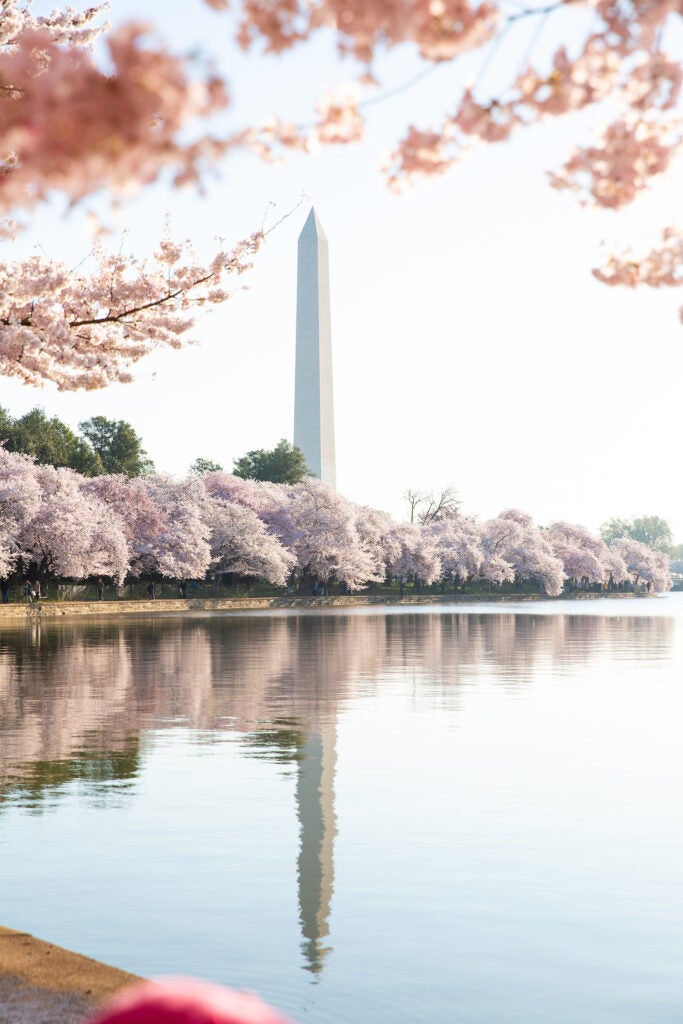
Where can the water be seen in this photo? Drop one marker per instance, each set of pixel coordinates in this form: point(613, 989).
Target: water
point(444, 815)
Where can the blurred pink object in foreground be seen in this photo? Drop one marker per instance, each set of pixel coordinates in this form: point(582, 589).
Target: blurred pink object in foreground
point(184, 1001)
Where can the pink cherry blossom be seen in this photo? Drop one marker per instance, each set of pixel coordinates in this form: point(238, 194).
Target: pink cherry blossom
point(181, 549)
point(582, 555)
point(512, 540)
point(458, 544)
point(142, 520)
point(417, 557)
point(20, 498)
point(644, 564)
point(66, 126)
point(69, 128)
point(324, 536)
point(72, 533)
point(86, 330)
point(241, 543)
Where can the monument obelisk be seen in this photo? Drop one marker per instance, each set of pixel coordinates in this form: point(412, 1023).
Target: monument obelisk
point(313, 395)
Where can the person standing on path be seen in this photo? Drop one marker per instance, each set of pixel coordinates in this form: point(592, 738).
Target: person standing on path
point(100, 589)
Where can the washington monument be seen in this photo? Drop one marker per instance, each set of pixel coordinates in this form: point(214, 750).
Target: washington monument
point(313, 398)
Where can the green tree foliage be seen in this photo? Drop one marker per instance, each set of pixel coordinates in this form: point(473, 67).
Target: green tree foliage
point(201, 466)
point(117, 445)
point(284, 464)
point(49, 441)
point(651, 530)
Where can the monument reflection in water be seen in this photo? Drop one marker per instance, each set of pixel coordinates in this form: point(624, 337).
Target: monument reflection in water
point(83, 703)
point(76, 700)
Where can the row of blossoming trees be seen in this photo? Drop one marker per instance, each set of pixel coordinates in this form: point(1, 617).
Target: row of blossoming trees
point(56, 523)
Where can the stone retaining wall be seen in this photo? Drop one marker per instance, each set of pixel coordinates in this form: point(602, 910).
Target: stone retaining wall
point(174, 606)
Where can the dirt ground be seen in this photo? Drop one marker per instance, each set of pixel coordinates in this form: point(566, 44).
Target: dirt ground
point(44, 984)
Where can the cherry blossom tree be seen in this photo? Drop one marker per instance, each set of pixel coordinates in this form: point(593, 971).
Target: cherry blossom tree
point(254, 494)
point(241, 544)
point(326, 540)
point(60, 523)
point(86, 331)
point(417, 556)
point(142, 520)
point(512, 540)
point(458, 545)
point(377, 531)
point(614, 567)
point(20, 497)
point(643, 564)
point(68, 127)
point(71, 532)
point(622, 62)
point(181, 549)
point(582, 555)
point(147, 115)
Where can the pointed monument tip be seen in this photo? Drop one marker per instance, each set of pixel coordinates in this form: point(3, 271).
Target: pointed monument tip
point(313, 226)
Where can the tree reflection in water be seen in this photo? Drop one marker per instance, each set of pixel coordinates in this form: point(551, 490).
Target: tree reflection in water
point(81, 702)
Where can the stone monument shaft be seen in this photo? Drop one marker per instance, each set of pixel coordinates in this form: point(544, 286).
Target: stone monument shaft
point(313, 393)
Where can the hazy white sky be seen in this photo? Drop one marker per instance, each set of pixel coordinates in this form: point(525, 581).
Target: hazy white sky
point(471, 345)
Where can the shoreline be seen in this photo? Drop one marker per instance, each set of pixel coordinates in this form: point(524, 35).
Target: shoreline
point(43, 982)
point(178, 606)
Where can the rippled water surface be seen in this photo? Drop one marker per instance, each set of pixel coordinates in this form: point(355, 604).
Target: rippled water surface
point(438, 815)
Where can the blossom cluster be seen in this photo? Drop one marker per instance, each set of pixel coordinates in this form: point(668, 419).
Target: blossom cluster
point(55, 522)
point(85, 330)
point(619, 57)
point(71, 126)
point(66, 125)
point(617, 64)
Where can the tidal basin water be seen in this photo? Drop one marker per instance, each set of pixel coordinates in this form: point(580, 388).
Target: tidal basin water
point(439, 815)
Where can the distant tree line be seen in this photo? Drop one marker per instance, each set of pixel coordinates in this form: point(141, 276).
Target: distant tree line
point(653, 531)
point(283, 464)
point(104, 445)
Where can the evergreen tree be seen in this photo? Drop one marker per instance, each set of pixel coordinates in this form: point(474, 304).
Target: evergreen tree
point(201, 466)
point(653, 531)
point(49, 441)
point(118, 446)
point(284, 464)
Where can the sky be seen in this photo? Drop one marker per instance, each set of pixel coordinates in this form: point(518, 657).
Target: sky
point(471, 345)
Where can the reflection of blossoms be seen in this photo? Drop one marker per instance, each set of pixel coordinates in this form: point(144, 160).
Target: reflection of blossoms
point(65, 696)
